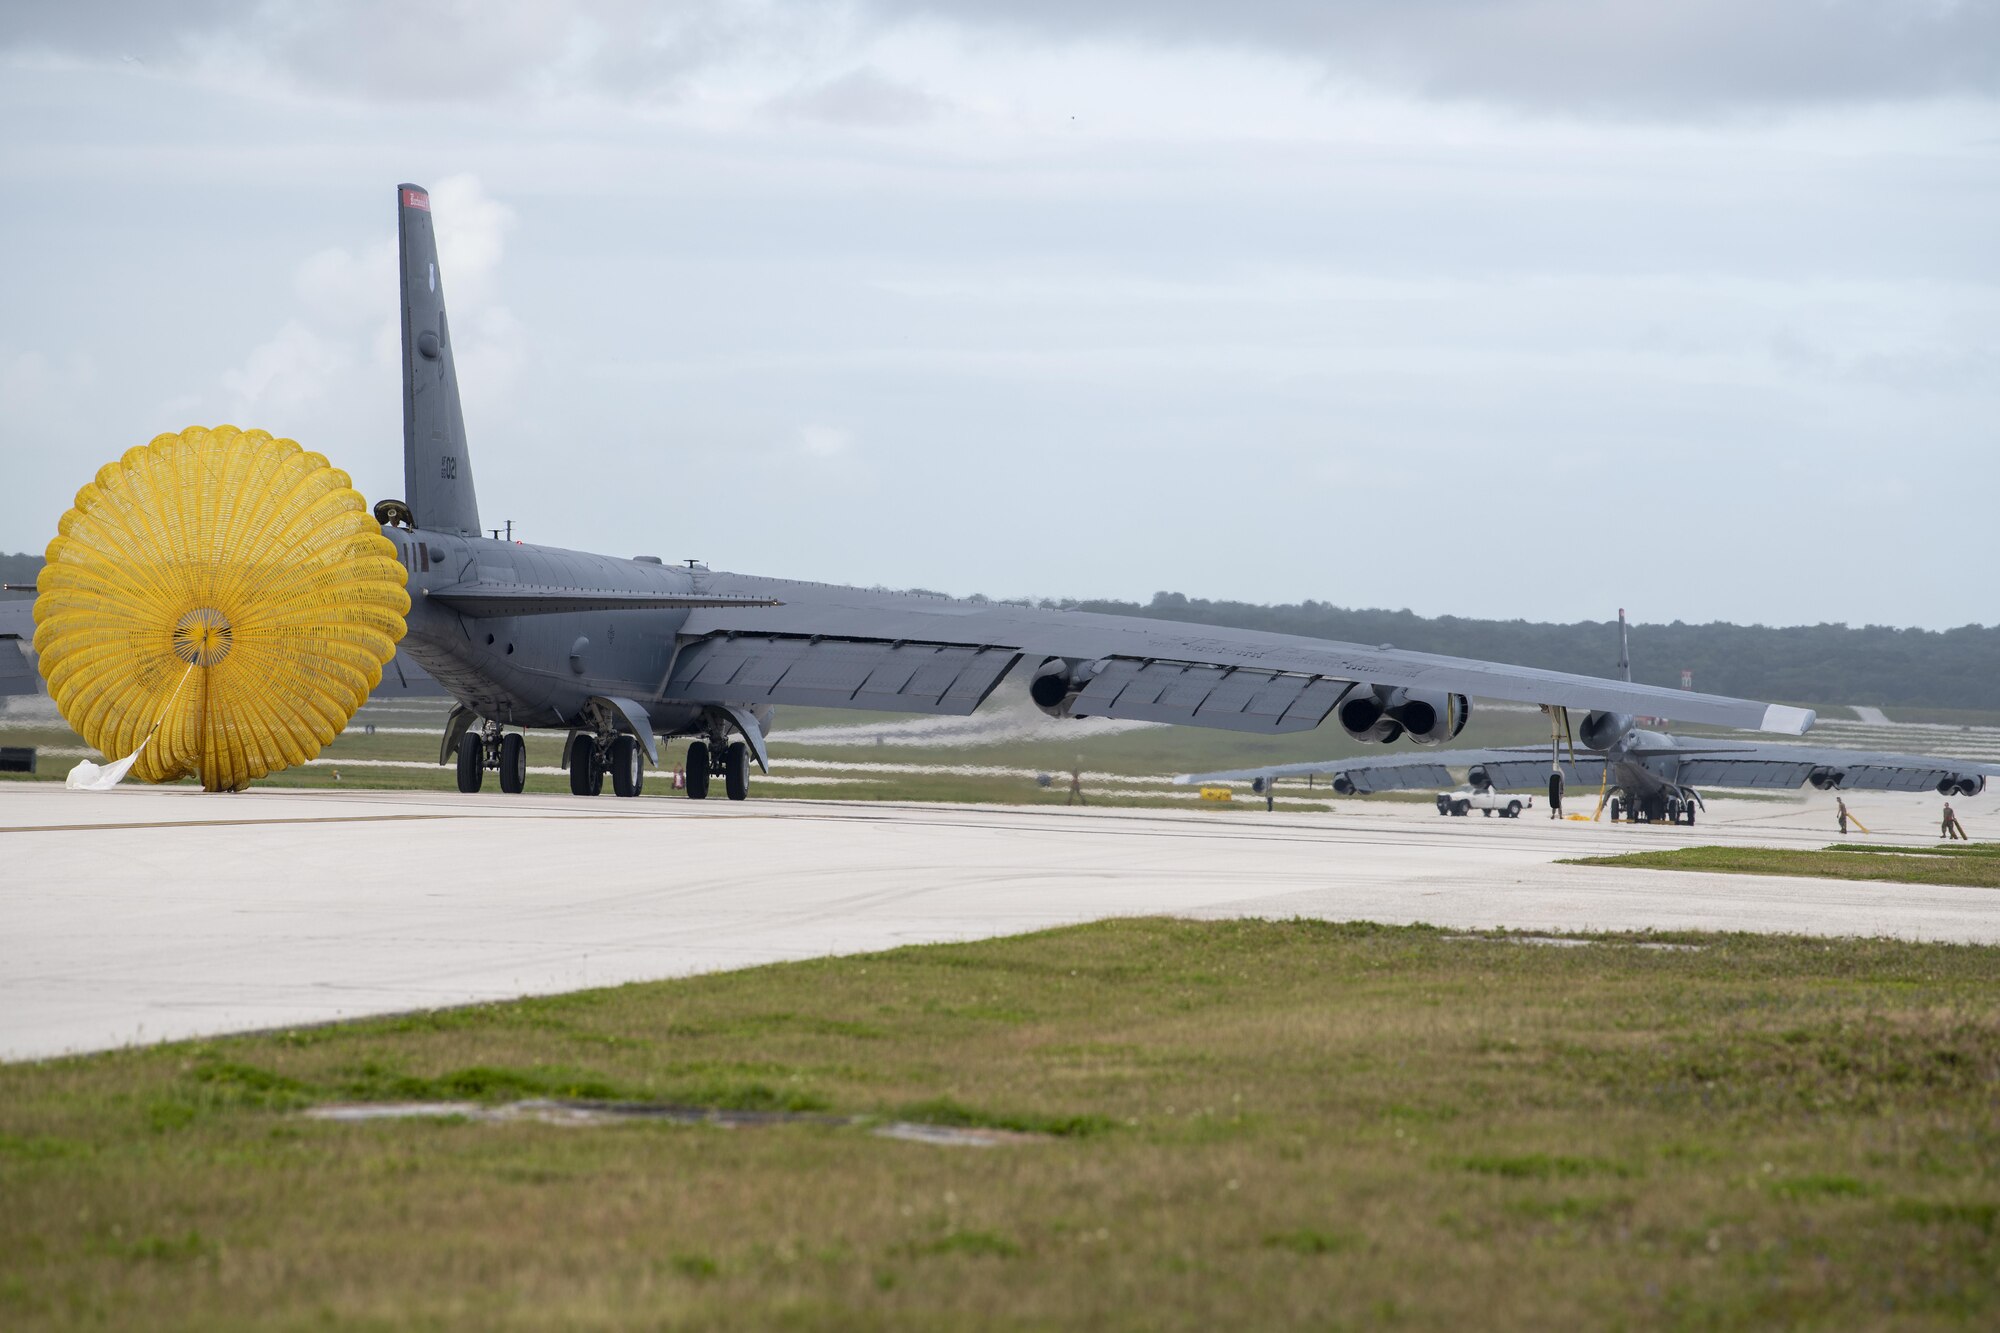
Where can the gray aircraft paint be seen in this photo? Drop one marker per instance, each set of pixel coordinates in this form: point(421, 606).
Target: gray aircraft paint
point(17, 649)
point(437, 474)
point(1639, 762)
point(1646, 768)
point(537, 636)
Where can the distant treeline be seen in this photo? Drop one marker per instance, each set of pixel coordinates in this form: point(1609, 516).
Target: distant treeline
point(18, 569)
point(1807, 664)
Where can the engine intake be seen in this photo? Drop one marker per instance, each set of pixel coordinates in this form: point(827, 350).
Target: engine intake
point(1055, 686)
point(1826, 779)
point(1382, 714)
point(1600, 730)
point(1962, 786)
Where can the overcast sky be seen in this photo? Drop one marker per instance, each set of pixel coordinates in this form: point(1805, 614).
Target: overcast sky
point(1377, 302)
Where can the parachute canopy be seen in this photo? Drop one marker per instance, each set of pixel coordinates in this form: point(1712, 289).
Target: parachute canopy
point(229, 587)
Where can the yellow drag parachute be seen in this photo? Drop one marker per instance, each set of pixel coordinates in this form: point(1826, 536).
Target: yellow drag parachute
point(229, 587)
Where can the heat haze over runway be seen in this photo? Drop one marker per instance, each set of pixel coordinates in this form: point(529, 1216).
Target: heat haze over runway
point(145, 915)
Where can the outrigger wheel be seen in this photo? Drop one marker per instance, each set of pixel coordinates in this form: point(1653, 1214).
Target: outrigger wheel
point(231, 588)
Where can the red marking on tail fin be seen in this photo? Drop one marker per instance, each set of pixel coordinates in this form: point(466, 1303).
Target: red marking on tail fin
point(416, 199)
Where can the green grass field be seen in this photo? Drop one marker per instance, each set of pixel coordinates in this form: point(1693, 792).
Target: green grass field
point(1149, 753)
point(1975, 863)
point(1243, 1124)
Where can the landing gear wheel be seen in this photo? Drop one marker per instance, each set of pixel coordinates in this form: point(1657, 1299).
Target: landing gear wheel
point(1488, 812)
point(1687, 814)
point(736, 773)
point(628, 775)
point(584, 779)
point(697, 770)
point(471, 762)
point(513, 764)
point(1613, 808)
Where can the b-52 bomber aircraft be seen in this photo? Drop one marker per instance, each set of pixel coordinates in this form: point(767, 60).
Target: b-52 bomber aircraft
point(1645, 775)
point(620, 652)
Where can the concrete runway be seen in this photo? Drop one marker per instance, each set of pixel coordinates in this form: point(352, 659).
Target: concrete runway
point(142, 915)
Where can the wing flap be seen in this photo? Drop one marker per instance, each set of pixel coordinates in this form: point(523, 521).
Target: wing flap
point(1901, 777)
point(1766, 773)
point(1586, 770)
point(749, 669)
point(1197, 694)
point(1412, 775)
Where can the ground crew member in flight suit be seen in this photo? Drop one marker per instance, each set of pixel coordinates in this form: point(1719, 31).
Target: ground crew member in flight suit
point(1843, 813)
point(1952, 830)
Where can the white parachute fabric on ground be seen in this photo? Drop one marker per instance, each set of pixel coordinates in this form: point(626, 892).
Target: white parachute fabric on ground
point(87, 776)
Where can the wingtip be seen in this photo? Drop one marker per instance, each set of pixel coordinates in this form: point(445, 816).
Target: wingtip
point(1786, 721)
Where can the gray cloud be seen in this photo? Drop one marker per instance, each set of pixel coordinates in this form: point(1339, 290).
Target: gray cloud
point(1619, 55)
point(1624, 57)
point(860, 98)
point(1129, 306)
point(388, 49)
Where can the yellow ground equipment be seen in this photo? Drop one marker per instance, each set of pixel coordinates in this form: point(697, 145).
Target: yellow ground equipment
point(1215, 794)
point(236, 565)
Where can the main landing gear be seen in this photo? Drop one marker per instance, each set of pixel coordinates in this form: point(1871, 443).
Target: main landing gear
point(1671, 806)
point(489, 747)
point(711, 758)
point(593, 758)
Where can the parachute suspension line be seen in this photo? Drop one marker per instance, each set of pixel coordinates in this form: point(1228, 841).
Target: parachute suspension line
point(87, 776)
point(262, 566)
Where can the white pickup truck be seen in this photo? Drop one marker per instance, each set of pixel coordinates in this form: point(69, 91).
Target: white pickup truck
point(1485, 800)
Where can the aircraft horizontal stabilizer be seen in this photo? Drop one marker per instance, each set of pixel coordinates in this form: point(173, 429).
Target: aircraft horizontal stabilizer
point(482, 600)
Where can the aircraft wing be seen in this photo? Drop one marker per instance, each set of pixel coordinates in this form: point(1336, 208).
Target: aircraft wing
point(1787, 766)
point(1366, 775)
point(1507, 768)
point(853, 647)
point(17, 636)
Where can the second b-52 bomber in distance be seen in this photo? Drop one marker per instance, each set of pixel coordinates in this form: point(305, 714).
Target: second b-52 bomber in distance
point(1645, 775)
point(619, 652)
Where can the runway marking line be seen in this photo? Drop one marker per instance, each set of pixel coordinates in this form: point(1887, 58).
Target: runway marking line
point(216, 823)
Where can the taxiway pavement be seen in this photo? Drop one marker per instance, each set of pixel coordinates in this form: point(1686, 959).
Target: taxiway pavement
point(142, 915)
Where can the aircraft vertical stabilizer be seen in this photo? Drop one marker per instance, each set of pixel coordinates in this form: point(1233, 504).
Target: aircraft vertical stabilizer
point(437, 472)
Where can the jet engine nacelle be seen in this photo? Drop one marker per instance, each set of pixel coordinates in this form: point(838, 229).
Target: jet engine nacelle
point(1381, 714)
point(1343, 785)
point(1054, 686)
point(1478, 777)
point(1600, 730)
point(1826, 779)
point(1957, 786)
